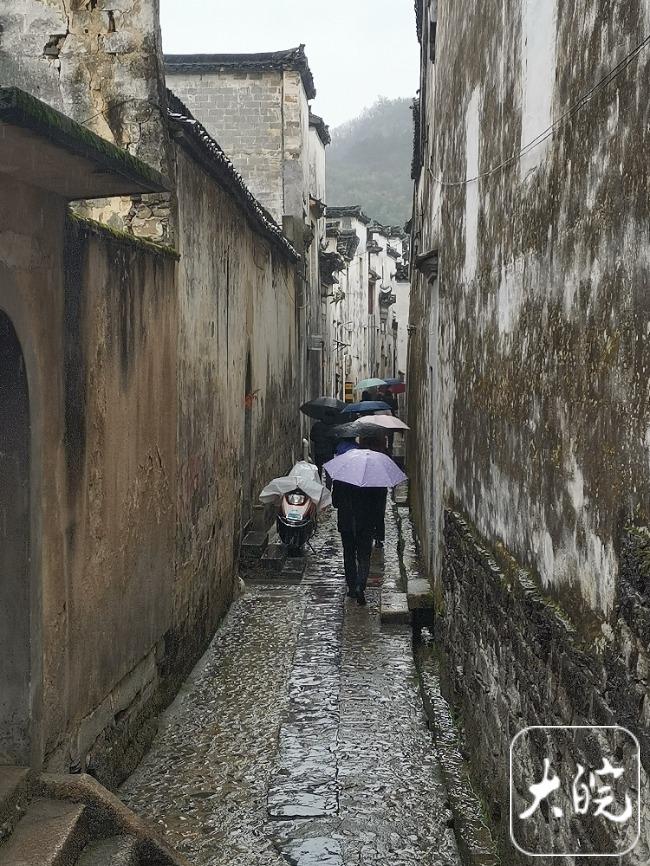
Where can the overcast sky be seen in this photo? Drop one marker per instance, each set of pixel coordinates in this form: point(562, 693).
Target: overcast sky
point(358, 50)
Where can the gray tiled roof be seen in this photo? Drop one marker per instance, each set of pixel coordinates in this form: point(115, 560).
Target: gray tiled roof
point(292, 58)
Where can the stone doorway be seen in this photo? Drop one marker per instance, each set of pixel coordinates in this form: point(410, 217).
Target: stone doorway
point(15, 595)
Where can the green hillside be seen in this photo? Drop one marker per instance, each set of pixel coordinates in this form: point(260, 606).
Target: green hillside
point(369, 162)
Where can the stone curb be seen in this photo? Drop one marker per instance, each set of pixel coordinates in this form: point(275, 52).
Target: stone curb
point(475, 842)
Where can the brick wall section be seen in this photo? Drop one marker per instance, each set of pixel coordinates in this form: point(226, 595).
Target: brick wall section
point(500, 633)
point(243, 112)
point(102, 65)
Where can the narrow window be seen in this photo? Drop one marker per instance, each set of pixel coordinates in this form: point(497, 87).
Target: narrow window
point(433, 27)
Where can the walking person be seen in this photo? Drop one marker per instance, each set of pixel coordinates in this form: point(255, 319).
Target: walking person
point(323, 443)
point(378, 443)
point(347, 444)
point(356, 518)
point(391, 400)
point(361, 480)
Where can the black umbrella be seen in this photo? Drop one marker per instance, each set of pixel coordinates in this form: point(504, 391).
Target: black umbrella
point(323, 408)
point(344, 431)
point(355, 428)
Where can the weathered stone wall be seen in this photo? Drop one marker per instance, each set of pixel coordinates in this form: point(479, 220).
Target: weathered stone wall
point(95, 316)
point(512, 660)
point(31, 296)
point(402, 291)
point(321, 347)
point(100, 63)
point(163, 397)
point(528, 385)
point(296, 156)
point(120, 453)
point(260, 118)
point(243, 112)
point(237, 349)
point(427, 410)
point(545, 308)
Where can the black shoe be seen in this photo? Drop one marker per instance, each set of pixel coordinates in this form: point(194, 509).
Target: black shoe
point(361, 598)
point(352, 593)
point(379, 544)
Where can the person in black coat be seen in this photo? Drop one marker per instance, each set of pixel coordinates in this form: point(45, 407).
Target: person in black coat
point(357, 514)
point(323, 443)
point(387, 396)
point(378, 443)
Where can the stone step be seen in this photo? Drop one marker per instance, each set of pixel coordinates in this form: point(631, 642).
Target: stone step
point(52, 833)
point(420, 594)
point(14, 794)
point(401, 494)
point(294, 569)
point(116, 851)
point(263, 517)
point(274, 557)
point(394, 608)
point(254, 545)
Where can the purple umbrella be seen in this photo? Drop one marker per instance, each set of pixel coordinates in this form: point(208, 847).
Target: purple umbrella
point(364, 468)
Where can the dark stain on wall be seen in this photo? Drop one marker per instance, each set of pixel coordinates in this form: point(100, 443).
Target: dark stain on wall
point(74, 365)
point(125, 312)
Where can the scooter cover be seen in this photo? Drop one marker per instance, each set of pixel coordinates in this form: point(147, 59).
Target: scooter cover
point(303, 475)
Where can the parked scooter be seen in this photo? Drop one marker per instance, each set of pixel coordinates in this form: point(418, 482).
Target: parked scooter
point(296, 520)
point(298, 498)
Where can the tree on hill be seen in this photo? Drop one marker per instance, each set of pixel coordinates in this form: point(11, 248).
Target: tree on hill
point(369, 162)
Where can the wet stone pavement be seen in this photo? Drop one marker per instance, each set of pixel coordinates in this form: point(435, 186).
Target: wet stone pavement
point(300, 737)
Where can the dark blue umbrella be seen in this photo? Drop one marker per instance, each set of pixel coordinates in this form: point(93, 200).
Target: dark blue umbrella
point(394, 381)
point(365, 406)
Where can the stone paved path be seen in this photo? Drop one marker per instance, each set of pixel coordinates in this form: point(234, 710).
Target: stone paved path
point(300, 737)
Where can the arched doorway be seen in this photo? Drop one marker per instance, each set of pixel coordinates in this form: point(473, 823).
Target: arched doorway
point(15, 596)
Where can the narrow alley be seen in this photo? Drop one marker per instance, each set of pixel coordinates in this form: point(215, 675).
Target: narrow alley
point(272, 277)
point(301, 733)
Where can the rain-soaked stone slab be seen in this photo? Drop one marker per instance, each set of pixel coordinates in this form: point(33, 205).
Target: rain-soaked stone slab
point(294, 568)
point(475, 840)
point(300, 738)
point(274, 557)
point(205, 780)
point(420, 594)
point(319, 851)
point(394, 608)
point(305, 783)
point(401, 494)
point(254, 545)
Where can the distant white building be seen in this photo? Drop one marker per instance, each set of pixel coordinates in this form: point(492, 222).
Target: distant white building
point(367, 326)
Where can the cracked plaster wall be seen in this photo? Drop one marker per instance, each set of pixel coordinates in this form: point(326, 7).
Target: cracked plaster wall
point(100, 63)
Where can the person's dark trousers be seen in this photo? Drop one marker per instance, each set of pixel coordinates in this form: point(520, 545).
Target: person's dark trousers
point(380, 523)
point(363, 539)
point(349, 542)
